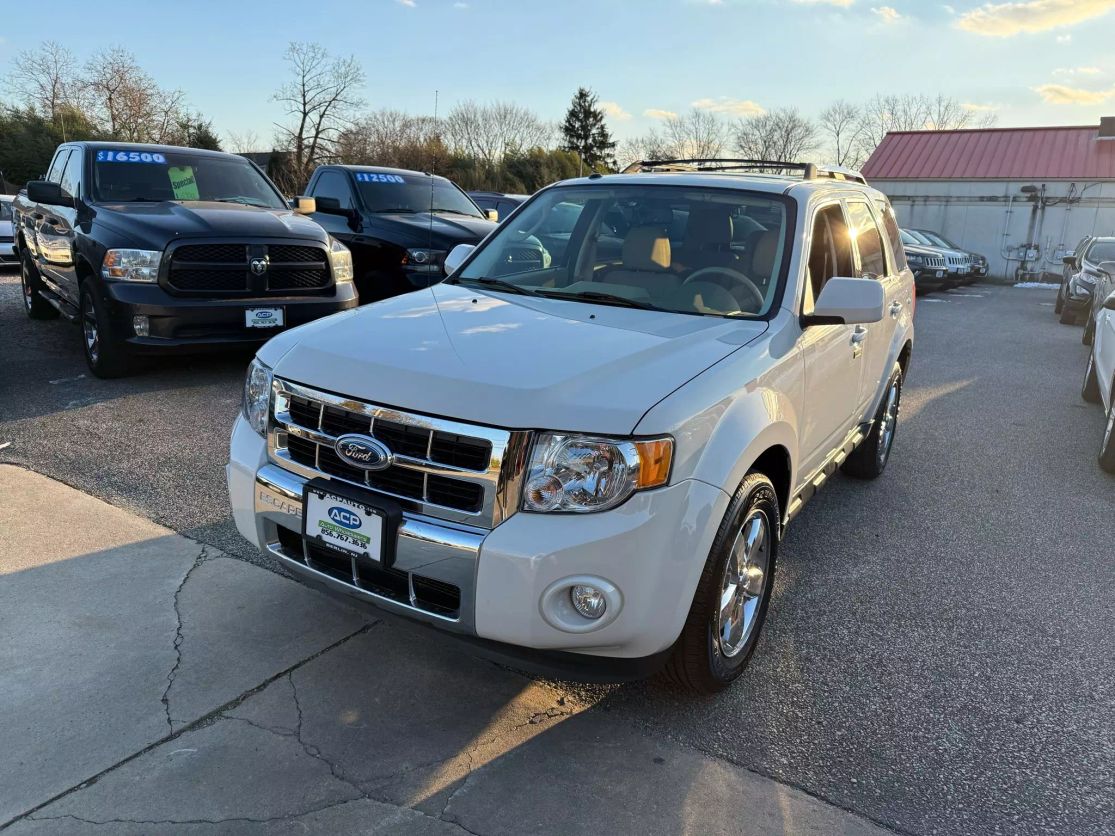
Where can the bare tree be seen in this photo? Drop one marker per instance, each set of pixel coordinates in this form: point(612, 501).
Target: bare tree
point(781, 134)
point(46, 79)
point(244, 142)
point(489, 132)
point(320, 100)
point(125, 101)
point(393, 138)
point(699, 133)
point(885, 113)
point(840, 124)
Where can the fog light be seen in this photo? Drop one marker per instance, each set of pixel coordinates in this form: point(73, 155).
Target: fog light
point(588, 600)
point(141, 325)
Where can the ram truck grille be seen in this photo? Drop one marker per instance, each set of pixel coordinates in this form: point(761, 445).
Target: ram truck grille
point(225, 269)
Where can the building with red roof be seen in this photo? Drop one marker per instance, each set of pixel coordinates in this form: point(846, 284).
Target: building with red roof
point(1024, 197)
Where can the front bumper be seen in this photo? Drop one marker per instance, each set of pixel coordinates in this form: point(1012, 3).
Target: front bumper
point(650, 550)
point(185, 323)
point(8, 253)
point(931, 278)
point(1079, 296)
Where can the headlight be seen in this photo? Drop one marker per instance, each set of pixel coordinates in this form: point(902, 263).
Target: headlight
point(421, 260)
point(576, 473)
point(132, 265)
point(257, 396)
point(340, 258)
point(916, 260)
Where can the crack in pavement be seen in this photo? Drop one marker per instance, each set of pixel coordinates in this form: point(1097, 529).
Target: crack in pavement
point(202, 557)
point(201, 722)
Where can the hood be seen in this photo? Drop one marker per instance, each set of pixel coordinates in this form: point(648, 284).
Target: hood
point(415, 230)
point(919, 250)
point(5, 229)
point(508, 361)
point(159, 223)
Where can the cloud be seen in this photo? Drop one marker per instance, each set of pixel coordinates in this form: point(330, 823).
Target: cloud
point(888, 14)
point(1064, 39)
point(657, 113)
point(1062, 94)
point(410, 4)
point(1077, 71)
point(976, 107)
point(614, 110)
point(1003, 20)
point(841, 3)
point(733, 107)
point(460, 5)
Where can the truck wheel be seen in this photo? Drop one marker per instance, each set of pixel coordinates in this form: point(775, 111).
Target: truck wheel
point(1107, 451)
point(1090, 391)
point(730, 604)
point(1068, 316)
point(1060, 303)
point(1089, 330)
point(104, 352)
point(870, 459)
point(36, 306)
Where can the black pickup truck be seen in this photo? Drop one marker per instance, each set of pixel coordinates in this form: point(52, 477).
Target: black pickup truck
point(399, 224)
point(158, 249)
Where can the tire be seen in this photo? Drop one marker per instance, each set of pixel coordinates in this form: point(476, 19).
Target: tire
point(1068, 315)
point(33, 303)
point(1107, 449)
point(105, 353)
point(1060, 303)
point(1090, 391)
point(869, 460)
point(711, 653)
point(1089, 330)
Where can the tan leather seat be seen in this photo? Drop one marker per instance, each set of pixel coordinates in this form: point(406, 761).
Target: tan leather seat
point(708, 239)
point(762, 256)
point(646, 261)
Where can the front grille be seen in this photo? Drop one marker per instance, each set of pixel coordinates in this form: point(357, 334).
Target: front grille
point(446, 469)
point(6, 239)
point(414, 590)
point(225, 268)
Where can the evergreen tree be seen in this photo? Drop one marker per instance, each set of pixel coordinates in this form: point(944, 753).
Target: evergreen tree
point(585, 132)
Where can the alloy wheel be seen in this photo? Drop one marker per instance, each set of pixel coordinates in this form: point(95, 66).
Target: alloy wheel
point(25, 281)
point(743, 584)
point(1110, 428)
point(889, 422)
point(89, 328)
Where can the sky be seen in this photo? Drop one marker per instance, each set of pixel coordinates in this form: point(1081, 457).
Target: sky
point(1031, 62)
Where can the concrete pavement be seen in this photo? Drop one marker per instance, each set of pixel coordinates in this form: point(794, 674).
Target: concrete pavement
point(150, 684)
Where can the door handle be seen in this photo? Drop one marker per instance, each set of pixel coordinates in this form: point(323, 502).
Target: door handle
point(895, 308)
point(859, 335)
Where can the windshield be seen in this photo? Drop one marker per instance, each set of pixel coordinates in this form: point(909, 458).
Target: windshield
point(411, 193)
point(1101, 251)
point(126, 175)
point(909, 236)
point(939, 240)
point(689, 250)
point(5, 210)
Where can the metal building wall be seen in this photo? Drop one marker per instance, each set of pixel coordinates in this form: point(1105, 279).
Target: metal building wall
point(995, 217)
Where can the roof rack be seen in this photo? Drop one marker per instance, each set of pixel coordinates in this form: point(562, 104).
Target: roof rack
point(809, 171)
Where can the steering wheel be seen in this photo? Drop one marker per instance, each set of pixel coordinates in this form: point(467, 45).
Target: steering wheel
point(735, 275)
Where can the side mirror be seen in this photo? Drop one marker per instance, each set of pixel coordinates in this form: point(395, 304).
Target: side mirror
point(304, 205)
point(47, 193)
point(849, 302)
point(456, 257)
point(492, 214)
point(1070, 260)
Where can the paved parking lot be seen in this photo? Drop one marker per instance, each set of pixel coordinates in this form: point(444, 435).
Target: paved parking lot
point(939, 654)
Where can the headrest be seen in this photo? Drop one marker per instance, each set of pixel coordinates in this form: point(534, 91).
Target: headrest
point(646, 248)
point(709, 224)
point(762, 259)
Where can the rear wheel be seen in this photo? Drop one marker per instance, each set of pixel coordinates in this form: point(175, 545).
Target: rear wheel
point(1060, 303)
point(33, 303)
point(870, 459)
point(105, 353)
point(732, 597)
point(1107, 450)
point(1090, 391)
point(1068, 315)
point(1089, 330)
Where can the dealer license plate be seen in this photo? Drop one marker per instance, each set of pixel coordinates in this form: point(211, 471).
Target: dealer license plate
point(343, 524)
point(263, 317)
point(940, 274)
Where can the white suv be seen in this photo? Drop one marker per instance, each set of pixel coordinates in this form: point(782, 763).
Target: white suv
point(1099, 377)
point(585, 445)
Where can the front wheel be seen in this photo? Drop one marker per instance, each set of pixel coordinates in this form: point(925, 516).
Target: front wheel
point(1089, 330)
point(732, 597)
point(1060, 303)
point(105, 353)
point(1090, 391)
point(1107, 450)
point(870, 459)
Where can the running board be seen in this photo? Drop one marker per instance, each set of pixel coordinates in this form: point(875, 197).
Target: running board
point(831, 465)
point(63, 307)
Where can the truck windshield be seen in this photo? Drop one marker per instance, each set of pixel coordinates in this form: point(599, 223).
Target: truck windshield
point(716, 252)
point(129, 176)
point(1102, 251)
point(411, 193)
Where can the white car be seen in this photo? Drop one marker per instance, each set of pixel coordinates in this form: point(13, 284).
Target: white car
point(7, 236)
point(1099, 377)
point(589, 458)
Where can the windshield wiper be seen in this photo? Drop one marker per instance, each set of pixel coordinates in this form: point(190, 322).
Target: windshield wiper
point(602, 298)
point(457, 212)
point(241, 201)
point(398, 210)
point(499, 284)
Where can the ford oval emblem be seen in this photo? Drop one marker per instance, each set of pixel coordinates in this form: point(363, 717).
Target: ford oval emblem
point(364, 452)
point(343, 516)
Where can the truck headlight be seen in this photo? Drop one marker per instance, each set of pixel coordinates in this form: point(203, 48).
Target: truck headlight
point(578, 474)
point(915, 260)
point(422, 260)
point(256, 402)
point(340, 259)
point(132, 265)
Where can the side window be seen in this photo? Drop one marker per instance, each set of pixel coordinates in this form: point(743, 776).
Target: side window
point(830, 253)
point(333, 184)
point(58, 166)
point(894, 235)
point(869, 242)
point(71, 176)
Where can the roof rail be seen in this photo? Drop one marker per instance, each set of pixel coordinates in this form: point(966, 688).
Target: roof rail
point(809, 171)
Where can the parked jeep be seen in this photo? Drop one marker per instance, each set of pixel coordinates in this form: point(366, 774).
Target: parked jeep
point(399, 224)
point(589, 460)
point(155, 249)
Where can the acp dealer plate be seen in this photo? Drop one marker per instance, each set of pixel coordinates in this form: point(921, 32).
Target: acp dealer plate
point(343, 524)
